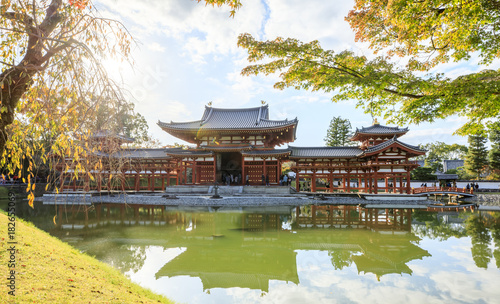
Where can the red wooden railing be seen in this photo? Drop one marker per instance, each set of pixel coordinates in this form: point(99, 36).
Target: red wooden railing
point(440, 189)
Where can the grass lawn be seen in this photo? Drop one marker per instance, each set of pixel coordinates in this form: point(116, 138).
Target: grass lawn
point(48, 270)
point(3, 192)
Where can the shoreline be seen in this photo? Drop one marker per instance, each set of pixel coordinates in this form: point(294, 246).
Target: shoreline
point(195, 200)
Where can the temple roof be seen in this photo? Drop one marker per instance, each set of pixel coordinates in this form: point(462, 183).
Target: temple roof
point(230, 119)
point(378, 129)
point(133, 154)
point(187, 153)
point(325, 152)
point(390, 142)
point(274, 152)
point(141, 153)
point(228, 148)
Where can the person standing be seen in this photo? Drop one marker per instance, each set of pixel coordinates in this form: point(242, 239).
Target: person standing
point(263, 179)
point(267, 180)
point(247, 180)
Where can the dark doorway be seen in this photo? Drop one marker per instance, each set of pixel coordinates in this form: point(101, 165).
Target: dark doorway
point(230, 164)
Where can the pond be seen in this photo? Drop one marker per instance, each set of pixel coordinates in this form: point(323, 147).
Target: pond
point(288, 254)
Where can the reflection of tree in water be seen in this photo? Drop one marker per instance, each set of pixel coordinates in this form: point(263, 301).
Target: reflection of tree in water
point(435, 227)
point(475, 226)
point(340, 258)
point(495, 233)
point(126, 258)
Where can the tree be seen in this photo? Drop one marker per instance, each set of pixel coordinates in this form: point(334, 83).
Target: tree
point(439, 151)
point(476, 158)
point(423, 174)
point(428, 32)
point(122, 119)
point(494, 153)
point(339, 133)
point(50, 69)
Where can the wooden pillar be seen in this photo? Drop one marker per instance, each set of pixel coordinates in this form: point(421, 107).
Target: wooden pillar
point(386, 184)
point(400, 184)
point(297, 181)
point(278, 177)
point(153, 180)
point(215, 169)
point(99, 181)
point(243, 171)
point(313, 181)
point(61, 182)
point(162, 182)
point(370, 182)
point(168, 178)
point(123, 180)
point(408, 180)
point(348, 190)
point(330, 181)
point(264, 167)
point(137, 181)
point(375, 180)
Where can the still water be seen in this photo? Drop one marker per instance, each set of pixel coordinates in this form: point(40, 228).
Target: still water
point(308, 254)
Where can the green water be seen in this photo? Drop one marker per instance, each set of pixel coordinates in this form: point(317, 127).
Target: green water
point(290, 255)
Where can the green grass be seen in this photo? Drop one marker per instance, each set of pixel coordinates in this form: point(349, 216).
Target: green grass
point(51, 271)
point(3, 192)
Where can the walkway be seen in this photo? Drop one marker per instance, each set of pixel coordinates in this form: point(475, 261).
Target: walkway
point(443, 191)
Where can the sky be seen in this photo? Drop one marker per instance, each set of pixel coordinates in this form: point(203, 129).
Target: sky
point(187, 56)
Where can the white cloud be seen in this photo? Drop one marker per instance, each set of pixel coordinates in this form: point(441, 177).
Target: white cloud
point(156, 47)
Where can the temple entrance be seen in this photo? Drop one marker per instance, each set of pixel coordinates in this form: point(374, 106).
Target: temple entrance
point(229, 164)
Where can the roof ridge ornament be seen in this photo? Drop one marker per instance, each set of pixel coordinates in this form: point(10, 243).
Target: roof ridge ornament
point(208, 117)
point(375, 122)
point(260, 114)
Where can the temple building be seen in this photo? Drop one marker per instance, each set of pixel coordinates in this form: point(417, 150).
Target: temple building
point(237, 142)
point(246, 145)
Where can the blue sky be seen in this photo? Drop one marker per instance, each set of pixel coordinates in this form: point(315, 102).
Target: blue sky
point(187, 56)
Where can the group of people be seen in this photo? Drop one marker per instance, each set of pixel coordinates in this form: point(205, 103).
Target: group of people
point(473, 186)
point(236, 179)
point(285, 180)
point(231, 179)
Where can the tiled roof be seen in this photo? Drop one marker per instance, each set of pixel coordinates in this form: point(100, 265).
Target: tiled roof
point(141, 153)
point(326, 152)
point(267, 152)
point(182, 152)
point(386, 144)
point(441, 176)
point(228, 148)
point(379, 129)
point(109, 134)
point(227, 119)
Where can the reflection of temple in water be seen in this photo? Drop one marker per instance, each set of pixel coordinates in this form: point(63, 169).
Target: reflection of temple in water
point(248, 249)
